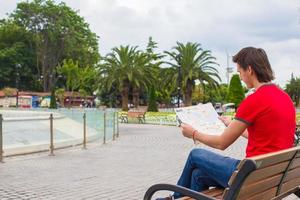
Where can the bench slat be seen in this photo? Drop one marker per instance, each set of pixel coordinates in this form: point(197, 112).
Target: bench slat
point(186, 198)
point(298, 154)
point(296, 163)
point(214, 192)
point(135, 114)
point(266, 172)
point(290, 185)
point(294, 173)
point(265, 161)
point(266, 195)
point(260, 186)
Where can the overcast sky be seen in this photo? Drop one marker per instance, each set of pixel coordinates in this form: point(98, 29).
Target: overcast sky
point(224, 27)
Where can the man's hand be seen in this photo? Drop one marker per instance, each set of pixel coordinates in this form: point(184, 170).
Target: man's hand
point(187, 130)
point(225, 120)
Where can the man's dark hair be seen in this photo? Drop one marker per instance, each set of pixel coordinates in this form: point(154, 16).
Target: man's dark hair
point(258, 60)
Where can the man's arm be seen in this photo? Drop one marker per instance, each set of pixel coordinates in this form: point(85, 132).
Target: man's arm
point(227, 121)
point(245, 134)
point(235, 129)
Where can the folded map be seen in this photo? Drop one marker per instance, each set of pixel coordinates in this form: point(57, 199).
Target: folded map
point(202, 117)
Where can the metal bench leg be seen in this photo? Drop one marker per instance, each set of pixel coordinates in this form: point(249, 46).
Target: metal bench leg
point(140, 120)
point(124, 119)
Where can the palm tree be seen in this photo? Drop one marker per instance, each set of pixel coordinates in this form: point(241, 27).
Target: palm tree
point(126, 67)
point(143, 77)
point(192, 63)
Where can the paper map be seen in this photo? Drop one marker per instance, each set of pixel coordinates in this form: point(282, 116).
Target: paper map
point(202, 117)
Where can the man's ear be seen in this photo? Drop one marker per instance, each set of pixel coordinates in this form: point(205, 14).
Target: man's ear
point(249, 69)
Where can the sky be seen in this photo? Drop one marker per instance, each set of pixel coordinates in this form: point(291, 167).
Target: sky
point(224, 27)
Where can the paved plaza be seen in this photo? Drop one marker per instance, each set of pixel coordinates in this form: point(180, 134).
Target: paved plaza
point(123, 169)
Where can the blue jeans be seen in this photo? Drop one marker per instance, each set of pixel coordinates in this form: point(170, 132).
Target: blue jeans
point(204, 169)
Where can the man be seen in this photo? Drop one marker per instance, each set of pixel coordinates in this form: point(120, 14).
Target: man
point(266, 118)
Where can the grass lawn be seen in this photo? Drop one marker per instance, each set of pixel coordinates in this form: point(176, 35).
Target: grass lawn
point(171, 115)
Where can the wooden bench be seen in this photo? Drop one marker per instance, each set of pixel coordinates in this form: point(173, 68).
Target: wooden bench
point(270, 176)
point(297, 134)
point(135, 113)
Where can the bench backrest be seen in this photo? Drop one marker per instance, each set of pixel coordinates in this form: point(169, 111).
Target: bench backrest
point(139, 109)
point(135, 114)
point(265, 176)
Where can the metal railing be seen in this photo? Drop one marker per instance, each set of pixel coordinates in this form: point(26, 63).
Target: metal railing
point(1, 139)
point(27, 134)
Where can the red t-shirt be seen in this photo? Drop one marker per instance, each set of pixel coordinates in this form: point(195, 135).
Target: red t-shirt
point(271, 118)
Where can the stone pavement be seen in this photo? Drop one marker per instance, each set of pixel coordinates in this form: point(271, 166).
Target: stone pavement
point(123, 169)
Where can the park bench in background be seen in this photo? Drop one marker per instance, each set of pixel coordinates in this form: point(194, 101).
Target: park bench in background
point(270, 176)
point(135, 113)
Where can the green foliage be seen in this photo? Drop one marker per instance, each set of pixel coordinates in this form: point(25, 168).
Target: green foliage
point(16, 48)
point(235, 91)
point(220, 94)
point(9, 91)
point(87, 79)
point(60, 94)
point(205, 93)
point(152, 106)
point(197, 95)
point(71, 72)
point(191, 63)
point(125, 68)
point(55, 32)
point(53, 104)
point(293, 89)
point(154, 57)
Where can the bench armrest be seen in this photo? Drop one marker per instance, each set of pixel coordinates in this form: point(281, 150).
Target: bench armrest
point(175, 188)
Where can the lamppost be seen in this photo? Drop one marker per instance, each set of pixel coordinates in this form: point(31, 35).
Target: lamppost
point(178, 80)
point(18, 66)
point(94, 99)
point(228, 69)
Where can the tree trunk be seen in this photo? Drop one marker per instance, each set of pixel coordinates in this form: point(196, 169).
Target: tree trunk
point(62, 101)
point(135, 97)
point(124, 94)
point(188, 93)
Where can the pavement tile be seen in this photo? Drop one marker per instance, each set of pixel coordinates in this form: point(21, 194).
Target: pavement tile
point(122, 169)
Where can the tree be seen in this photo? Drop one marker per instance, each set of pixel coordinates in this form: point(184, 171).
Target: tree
point(235, 91)
point(60, 93)
point(293, 89)
point(192, 63)
point(15, 48)
point(166, 85)
point(212, 94)
point(58, 33)
point(152, 106)
point(125, 68)
point(143, 76)
point(53, 104)
point(70, 71)
point(220, 93)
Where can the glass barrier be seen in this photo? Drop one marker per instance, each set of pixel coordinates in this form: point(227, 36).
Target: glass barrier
point(27, 131)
